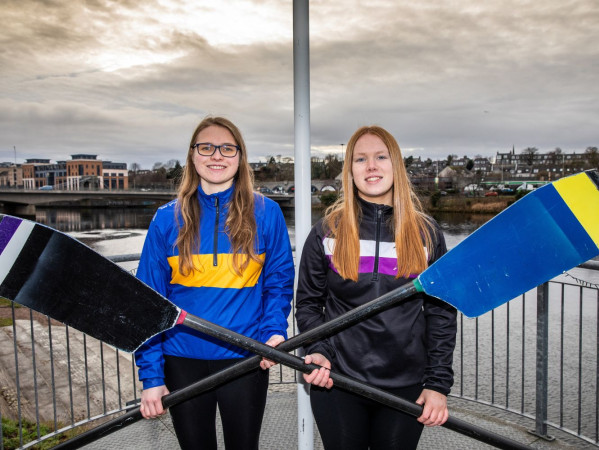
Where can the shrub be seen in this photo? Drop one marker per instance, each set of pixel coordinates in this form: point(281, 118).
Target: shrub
point(435, 198)
point(328, 198)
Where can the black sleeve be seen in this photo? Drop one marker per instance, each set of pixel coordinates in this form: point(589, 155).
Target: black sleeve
point(312, 291)
point(441, 328)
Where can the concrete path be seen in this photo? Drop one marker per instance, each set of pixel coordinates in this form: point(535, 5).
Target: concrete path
point(279, 431)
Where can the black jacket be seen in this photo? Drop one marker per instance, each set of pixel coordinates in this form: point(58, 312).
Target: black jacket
point(411, 343)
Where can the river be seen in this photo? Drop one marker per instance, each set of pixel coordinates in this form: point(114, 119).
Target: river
point(119, 231)
point(122, 230)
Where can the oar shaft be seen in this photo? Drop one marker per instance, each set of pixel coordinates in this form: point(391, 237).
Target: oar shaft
point(344, 382)
point(352, 317)
point(327, 329)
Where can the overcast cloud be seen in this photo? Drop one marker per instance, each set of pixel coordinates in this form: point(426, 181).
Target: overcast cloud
point(130, 80)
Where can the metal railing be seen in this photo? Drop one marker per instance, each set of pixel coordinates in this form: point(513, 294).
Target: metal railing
point(535, 356)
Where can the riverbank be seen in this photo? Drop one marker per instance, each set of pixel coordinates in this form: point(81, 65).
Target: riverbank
point(437, 203)
point(467, 205)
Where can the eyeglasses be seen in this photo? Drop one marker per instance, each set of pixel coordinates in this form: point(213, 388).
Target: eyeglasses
point(207, 149)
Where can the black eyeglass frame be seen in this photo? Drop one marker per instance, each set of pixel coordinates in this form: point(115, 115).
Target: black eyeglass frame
point(216, 147)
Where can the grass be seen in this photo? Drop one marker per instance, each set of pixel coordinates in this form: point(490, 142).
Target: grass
point(10, 434)
point(4, 302)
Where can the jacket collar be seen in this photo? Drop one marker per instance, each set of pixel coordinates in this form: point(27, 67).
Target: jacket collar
point(209, 200)
point(369, 210)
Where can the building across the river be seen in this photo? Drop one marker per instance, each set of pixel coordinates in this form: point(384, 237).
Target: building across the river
point(82, 171)
point(11, 175)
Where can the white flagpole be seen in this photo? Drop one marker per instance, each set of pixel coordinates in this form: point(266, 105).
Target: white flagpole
point(303, 200)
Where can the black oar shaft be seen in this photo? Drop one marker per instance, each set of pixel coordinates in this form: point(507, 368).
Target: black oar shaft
point(345, 382)
point(327, 329)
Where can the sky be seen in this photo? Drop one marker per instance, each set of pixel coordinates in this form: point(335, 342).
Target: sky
point(129, 81)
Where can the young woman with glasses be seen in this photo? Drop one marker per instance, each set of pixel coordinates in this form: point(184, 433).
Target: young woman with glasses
point(373, 240)
point(222, 252)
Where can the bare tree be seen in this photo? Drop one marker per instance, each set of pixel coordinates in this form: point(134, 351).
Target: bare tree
point(592, 157)
point(171, 164)
point(529, 155)
point(134, 168)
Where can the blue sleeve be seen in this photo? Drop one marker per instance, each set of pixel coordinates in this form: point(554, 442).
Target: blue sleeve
point(155, 272)
point(279, 273)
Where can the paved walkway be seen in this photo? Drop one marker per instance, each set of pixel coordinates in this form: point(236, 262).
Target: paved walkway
point(279, 430)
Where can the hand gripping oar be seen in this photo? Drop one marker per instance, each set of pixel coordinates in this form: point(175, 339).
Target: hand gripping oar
point(48, 271)
point(341, 381)
point(327, 329)
point(345, 382)
point(321, 332)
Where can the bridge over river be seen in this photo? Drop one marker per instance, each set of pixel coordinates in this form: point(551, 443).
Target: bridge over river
point(24, 202)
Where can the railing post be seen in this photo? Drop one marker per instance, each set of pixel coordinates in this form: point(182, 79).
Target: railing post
point(542, 362)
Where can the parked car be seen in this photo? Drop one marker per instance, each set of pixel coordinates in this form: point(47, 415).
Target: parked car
point(313, 188)
point(264, 190)
point(328, 187)
point(491, 194)
point(527, 187)
point(278, 190)
point(46, 188)
point(473, 189)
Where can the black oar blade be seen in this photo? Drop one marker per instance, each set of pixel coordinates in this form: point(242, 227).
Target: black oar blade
point(56, 275)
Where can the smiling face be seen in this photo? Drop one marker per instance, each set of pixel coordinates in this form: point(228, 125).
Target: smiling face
point(372, 170)
point(216, 172)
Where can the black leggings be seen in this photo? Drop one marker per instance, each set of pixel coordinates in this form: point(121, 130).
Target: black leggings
point(348, 421)
point(241, 404)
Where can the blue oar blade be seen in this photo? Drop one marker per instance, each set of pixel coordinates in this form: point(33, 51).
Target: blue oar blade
point(537, 238)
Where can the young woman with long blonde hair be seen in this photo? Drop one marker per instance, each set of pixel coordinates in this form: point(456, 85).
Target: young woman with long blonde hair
point(222, 252)
point(373, 240)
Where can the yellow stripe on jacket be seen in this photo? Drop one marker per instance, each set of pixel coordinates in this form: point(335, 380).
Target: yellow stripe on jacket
point(220, 276)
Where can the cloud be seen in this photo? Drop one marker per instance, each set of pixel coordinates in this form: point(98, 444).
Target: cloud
point(129, 81)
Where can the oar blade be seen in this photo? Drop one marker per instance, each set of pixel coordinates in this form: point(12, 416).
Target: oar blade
point(549, 231)
point(56, 275)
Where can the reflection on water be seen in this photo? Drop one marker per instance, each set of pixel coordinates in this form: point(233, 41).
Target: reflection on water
point(80, 219)
point(102, 228)
point(118, 231)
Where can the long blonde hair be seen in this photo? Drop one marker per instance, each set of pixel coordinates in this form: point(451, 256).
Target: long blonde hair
point(412, 227)
point(240, 224)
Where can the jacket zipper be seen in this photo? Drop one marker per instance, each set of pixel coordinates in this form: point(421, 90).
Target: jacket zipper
point(379, 213)
point(215, 253)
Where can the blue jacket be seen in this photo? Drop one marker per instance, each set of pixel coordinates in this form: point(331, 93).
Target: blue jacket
point(255, 304)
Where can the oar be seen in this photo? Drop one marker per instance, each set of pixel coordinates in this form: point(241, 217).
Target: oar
point(342, 382)
point(321, 332)
point(345, 382)
point(334, 326)
point(45, 270)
